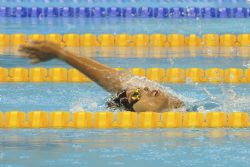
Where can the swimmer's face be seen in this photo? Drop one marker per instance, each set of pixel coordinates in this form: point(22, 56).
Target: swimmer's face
point(152, 100)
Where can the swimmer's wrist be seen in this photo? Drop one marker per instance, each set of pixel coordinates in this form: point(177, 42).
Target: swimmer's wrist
point(62, 54)
point(65, 55)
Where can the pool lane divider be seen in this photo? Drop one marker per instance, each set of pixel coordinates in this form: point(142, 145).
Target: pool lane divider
point(9, 41)
point(169, 75)
point(106, 120)
point(126, 12)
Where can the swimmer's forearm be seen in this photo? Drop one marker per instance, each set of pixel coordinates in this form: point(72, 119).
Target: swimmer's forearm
point(107, 77)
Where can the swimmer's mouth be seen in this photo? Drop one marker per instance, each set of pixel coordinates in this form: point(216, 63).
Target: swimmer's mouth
point(156, 93)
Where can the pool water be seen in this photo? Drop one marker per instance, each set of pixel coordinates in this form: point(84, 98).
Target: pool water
point(116, 147)
point(159, 147)
point(185, 26)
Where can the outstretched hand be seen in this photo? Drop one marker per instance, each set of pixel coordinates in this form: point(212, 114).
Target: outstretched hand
point(40, 51)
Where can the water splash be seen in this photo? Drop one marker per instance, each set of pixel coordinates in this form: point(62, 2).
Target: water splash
point(228, 100)
point(87, 104)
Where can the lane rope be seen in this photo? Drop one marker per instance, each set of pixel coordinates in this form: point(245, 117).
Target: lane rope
point(126, 12)
point(170, 75)
point(62, 119)
point(9, 41)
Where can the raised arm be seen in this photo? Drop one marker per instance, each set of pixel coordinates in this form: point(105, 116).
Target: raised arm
point(107, 77)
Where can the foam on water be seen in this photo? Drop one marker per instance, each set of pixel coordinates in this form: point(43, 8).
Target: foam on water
point(226, 99)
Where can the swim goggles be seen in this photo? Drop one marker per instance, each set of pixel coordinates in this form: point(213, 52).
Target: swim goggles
point(136, 96)
point(121, 100)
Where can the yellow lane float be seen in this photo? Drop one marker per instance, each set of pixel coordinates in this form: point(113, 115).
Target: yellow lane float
point(126, 119)
point(125, 40)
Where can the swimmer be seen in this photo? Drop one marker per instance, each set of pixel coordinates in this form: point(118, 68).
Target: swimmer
point(132, 94)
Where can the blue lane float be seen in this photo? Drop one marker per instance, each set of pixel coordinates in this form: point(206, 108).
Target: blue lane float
point(241, 12)
point(192, 12)
point(34, 12)
point(127, 12)
point(224, 13)
point(145, 12)
point(98, 12)
point(161, 12)
point(208, 12)
point(114, 12)
point(82, 12)
point(51, 12)
point(19, 12)
point(67, 12)
point(176, 12)
point(5, 12)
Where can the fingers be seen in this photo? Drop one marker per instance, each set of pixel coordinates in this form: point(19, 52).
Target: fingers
point(40, 44)
point(27, 49)
point(37, 51)
point(33, 44)
point(37, 46)
point(27, 53)
point(33, 51)
point(29, 56)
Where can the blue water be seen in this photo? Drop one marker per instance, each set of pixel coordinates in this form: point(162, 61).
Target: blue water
point(90, 148)
point(116, 147)
point(186, 62)
point(122, 25)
